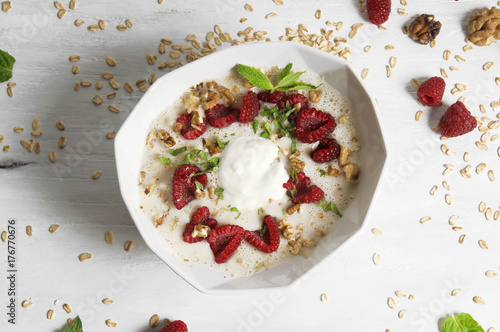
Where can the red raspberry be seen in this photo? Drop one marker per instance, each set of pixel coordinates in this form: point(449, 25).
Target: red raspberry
point(294, 99)
point(175, 326)
point(269, 241)
point(200, 216)
point(184, 185)
point(456, 121)
point(250, 107)
point(304, 192)
point(431, 91)
point(221, 116)
point(268, 97)
point(312, 125)
point(187, 130)
point(327, 150)
point(378, 10)
point(224, 241)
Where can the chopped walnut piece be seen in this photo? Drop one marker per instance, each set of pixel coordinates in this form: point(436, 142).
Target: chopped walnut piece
point(332, 171)
point(152, 136)
point(177, 127)
point(212, 85)
point(191, 101)
point(159, 219)
point(213, 148)
point(484, 27)
point(210, 99)
point(291, 210)
point(165, 137)
point(351, 172)
point(296, 154)
point(425, 29)
point(307, 242)
point(201, 231)
point(343, 119)
point(227, 95)
point(196, 118)
point(199, 193)
point(315, 95)
point(295, 247)
point(343, 157)
point(297, 164)
point(247, 84)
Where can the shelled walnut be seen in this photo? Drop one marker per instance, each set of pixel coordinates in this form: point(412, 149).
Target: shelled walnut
point(484, 27)
point(424, 29)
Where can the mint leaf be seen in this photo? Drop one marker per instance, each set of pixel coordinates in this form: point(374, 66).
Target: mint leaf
point(298, 86)
point(255, 126)
point(260, 210)
point(165, 160)
point(294, 176)
point(221, 144)
point(76, 326)
point(6, 66)
point(293, 147)
point(322, 172)
point(289, 80)
point(219, 192)
point(329, 207)
point(285, 72)
point(461, 323)
point(234, 209)
point(178, 151)
point(210, 166)
point(255, 77)
point(198, 185)
point(263, 231)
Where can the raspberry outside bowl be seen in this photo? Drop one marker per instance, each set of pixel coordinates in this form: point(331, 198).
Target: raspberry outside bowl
point(129, 148)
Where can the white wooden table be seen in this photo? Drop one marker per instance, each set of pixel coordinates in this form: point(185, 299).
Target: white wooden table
point(424, 260)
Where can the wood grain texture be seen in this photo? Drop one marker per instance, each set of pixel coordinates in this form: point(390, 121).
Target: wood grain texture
point(424, 260)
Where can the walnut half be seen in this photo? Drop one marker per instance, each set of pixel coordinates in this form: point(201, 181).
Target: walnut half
point(425, 29)
point(484, 27)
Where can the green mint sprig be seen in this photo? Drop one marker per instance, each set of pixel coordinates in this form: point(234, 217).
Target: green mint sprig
point(76, 326)
point(286, 79)
point(329, 207)
point(461, 323)
point(165, 160)
point(219, 192)
point(6, 66)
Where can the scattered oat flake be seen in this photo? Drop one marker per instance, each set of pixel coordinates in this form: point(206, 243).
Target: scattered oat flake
point(377, 259)
point(488, 65)
point(418, 115)
point(433, 190)
point(491, 274)
point(110, 323)
point(248, 8)
point(324, 297)
point(53, 228)
point(153, 321)
point(4, 236)
point(483, 244)
point(108, 236)
point(478, 300)
point(400, 293)
point(391, 303)
point(50, 314)
point(29, 230)
point(84, 257)
point(425, 220)
point(461, 239)
point(107, 301)
point(402, 313)
point(271, 16)
point(96, 175)
point(448, 199)
point(364, 73)
point(26, 304)
point(318, 14)
point(376, 231)
point(129, 245)
point(67, 308)
point(456, 292)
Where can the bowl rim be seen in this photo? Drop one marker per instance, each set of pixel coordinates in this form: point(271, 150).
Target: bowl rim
point(311, 270)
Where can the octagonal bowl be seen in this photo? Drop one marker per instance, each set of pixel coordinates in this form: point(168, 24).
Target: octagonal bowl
point(129, 148)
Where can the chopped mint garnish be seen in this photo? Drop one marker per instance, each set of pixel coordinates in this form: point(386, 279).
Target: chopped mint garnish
point(279, 118)
point(221, 144)
point(239, 214)
point(322, 172)
point(194, 155)
point(329, 207)
point(293, 147)
point(233, 209)
point(263, 230)
point(264, 134)
point(260, 210)
point(198, 185)
point(291, 192)
point(210, 166)
point(286, 79)
point(461, 323)
point(255, 126)
point(219, 192)
point(165, 160)
point(294, 176)
point(178, 151)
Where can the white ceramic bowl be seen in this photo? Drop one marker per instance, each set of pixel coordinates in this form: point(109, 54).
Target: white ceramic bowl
point(129, 146)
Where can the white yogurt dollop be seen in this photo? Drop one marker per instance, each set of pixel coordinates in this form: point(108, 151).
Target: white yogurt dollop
point(250, 173)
